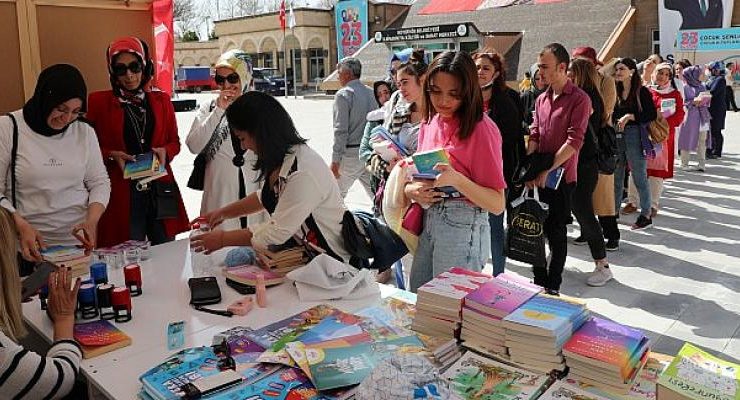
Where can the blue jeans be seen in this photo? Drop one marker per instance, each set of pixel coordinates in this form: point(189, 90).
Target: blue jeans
point(456, 234)
point(498, 242)
point(630, 150)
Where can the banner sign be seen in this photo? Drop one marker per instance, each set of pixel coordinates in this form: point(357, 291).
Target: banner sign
point(709, 39)
point(690, 15)
point(351, 24)
point(164, 44)
point(422, 33)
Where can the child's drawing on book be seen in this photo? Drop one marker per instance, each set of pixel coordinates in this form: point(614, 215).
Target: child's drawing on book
point(708, 373)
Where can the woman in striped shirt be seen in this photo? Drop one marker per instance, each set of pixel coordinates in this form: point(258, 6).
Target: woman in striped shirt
point(24, 374)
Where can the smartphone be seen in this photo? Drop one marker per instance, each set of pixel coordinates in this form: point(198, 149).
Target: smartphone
point(37, 279)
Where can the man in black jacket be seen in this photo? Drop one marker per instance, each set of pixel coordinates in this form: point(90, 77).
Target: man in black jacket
point(698, 14)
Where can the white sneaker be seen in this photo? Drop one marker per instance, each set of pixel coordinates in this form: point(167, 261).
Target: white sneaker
point(600, 277)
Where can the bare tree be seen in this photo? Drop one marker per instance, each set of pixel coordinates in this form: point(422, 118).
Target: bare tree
point(272, 5)
point(185, 18)
point(328, 3)
point(247, 7)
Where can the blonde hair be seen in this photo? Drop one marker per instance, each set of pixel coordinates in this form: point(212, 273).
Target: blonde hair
point(11, 321)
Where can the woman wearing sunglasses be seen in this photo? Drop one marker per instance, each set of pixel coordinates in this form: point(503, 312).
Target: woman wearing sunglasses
point(132, 119)
point(228, 173)
point(52, 178)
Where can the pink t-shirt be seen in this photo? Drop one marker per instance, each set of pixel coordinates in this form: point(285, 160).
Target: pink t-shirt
point(478, 157)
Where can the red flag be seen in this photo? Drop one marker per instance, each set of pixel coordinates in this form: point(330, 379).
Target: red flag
point(164, 44)
point(282, 15)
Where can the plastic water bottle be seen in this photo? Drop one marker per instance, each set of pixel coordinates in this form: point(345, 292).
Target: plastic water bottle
point(201, 263)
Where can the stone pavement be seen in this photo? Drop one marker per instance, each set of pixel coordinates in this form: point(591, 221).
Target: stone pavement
point(679, 281)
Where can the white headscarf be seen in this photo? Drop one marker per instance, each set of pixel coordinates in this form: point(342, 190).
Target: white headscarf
point(240, 62)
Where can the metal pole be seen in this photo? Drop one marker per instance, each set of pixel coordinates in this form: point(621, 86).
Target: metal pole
point(295, 83)
point(285, 64)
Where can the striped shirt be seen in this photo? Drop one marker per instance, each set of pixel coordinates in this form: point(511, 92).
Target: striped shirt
point(27, 375)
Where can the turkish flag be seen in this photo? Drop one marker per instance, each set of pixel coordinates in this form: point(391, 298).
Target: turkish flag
point(282, 15)
point(164, 44)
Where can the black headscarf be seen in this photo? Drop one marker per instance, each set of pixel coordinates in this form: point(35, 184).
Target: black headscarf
point(56, 84)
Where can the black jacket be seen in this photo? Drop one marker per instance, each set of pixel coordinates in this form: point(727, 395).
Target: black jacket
point(691, 13)
point(506, 113)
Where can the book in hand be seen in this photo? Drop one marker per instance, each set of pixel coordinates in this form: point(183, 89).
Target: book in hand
point(99, 337)
point(695, 374)
point(380, 133)
point(554, 178)
point(477, 377)
point(143, 166)
point(426, 160)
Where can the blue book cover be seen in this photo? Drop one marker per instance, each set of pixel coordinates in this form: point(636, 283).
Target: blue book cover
point(383, 133)
point(554, 178)
point(549, 315)
point(144, 165)
point(426, 160)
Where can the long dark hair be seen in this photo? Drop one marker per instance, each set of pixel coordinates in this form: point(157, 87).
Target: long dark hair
point(584, 76)
point(264, 119)
point(415, 66)
point(461, 66)
point(635, 82)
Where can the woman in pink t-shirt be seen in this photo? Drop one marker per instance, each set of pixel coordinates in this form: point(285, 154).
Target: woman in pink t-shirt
point(456, 230)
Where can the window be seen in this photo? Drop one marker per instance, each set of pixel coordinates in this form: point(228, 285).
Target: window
point(267, 60)
point(316, 63)
point(297, 63)
point(655, 47)
point(469, 47)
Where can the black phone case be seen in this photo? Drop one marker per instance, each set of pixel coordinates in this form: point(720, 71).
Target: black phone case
point(204, 291)
point(37, 279)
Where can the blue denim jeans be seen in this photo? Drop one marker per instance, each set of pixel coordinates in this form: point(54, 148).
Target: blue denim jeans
point(630, 151)
point(498, 242)
point(456, 234)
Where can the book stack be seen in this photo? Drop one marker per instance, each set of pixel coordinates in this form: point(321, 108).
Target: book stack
point(536, 331)
point(282, 260)
point(73, 257)
point(477, 377)
point(248, 274)
point(695, 374)
point(484, 308)
point(439, 302)
point(606, 354)
point(443, 351)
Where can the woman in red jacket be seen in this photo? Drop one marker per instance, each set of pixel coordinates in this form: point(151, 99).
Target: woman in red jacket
point(669, 102)
point(132, 119)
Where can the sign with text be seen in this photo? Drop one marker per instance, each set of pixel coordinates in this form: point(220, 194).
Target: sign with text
point(690, 15)
point(351, 21)
point(422, 33)
point(709, 39)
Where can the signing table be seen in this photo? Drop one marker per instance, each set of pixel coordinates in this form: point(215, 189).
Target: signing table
point(165, 299)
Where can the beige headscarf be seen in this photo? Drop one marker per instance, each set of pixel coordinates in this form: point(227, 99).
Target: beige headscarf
point(240, 62)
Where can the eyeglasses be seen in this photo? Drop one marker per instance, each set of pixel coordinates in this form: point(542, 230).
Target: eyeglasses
point(120, 69)
point(231, 78)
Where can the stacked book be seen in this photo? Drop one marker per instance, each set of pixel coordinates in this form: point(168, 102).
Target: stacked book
point(443, 351)
point(485, 307)
point(73, 257)
point(282, 260)
point(606, 354)
point(536, 331)
point(477, 377)
point(439, 302)
point(695, 374)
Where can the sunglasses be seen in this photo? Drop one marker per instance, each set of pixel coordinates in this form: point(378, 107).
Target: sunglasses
point(231, 78)
point(119, 69)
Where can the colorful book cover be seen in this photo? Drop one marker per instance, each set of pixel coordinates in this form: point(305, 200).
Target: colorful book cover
point(166, 379)
point(480, 378)
point(274, 336)
point(391, 319)
point(57, 254)
point(345, 366)
point(699, 375)
point(247, 274)
point(144, 165)
point(549, 314)
point(453, 284)
point(332, 327)
point(297, 349)
point(562, 390)
point(501, 296)
point(242, 348)
point(426, 160)
point(383, 133)
point(98, 333)
point(608, 342)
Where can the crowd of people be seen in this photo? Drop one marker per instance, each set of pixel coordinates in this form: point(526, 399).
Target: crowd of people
point(64, 153)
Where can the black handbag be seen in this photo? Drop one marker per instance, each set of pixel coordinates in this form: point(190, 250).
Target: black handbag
point(198, 176)
point(166, 197)
point(606, 147)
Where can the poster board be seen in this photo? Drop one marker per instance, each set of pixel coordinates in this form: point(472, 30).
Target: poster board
point(675, 15)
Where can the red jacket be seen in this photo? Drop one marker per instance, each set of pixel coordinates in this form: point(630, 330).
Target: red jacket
point(673, 122)
point(105, 113)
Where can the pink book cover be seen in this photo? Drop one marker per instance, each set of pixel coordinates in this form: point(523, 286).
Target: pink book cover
point(513, 277)
point(501, 295)
point(455, 285)
point(609, 342)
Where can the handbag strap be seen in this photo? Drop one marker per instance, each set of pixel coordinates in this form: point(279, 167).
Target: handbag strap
point(13, 160)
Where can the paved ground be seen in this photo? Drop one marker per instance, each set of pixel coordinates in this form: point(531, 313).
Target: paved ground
point(679, 281)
